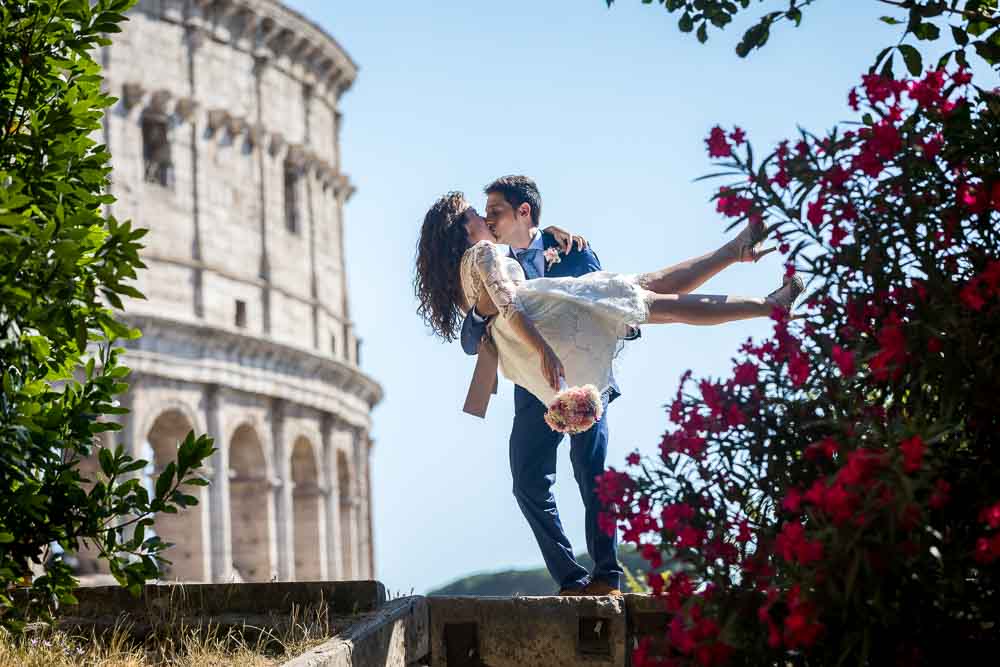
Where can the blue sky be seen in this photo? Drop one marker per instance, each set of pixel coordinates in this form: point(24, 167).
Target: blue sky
point(607, 110)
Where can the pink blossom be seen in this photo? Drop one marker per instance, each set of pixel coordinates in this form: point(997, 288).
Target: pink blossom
point(717, 144)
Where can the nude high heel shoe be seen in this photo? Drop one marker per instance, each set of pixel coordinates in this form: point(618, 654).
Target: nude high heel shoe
point(784, 297)
point(748, 246)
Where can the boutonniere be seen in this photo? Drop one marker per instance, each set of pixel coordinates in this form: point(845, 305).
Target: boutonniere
point(551, 257)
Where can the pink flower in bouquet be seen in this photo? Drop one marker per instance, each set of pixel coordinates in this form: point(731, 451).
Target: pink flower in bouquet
point(575, 410)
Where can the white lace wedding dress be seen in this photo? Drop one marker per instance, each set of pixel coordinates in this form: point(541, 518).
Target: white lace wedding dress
point(583, 319)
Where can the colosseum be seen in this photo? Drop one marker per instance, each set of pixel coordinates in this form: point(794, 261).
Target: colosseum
point(225, 144)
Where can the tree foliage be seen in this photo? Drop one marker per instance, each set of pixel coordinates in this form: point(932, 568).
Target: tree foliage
point(64, 266)
point(971, 24)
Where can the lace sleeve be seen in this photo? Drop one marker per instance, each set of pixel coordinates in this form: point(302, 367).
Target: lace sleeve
point(489, 268)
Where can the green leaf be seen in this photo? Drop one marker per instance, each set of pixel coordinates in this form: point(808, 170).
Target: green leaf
point(107, 462)
point(960, 36)
point(912, 58)
point(165, 480)
point(927, 32)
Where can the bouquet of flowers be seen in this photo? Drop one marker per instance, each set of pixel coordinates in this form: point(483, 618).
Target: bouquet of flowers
point(575, 409)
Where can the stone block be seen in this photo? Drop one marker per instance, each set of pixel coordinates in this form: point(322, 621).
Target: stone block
point(543, 631)
point(394, 636)
point(647, 618)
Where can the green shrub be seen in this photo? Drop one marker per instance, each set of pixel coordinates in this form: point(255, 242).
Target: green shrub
point(64, 264)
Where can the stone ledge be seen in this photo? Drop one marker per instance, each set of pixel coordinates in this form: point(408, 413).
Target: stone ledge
point(200, 605)
point(508, 632)
point(397, 635)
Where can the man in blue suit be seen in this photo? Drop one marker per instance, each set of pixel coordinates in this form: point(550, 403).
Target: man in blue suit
point(513, 210)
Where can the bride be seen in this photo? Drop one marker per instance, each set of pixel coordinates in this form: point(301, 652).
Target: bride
point(552, 330)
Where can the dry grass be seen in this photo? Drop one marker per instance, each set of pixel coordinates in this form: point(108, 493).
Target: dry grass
point(182, 647)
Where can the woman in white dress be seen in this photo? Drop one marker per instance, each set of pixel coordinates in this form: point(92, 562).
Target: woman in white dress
point(553, 329)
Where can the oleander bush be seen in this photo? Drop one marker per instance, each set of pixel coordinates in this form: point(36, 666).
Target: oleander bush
point(837, 497)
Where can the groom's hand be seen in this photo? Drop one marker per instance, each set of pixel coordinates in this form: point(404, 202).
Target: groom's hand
point(566, 240)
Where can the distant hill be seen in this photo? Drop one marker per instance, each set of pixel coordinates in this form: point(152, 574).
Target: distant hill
point(537, 581)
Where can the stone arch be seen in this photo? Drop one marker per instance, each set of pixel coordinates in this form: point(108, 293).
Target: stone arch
point(170, 404)
point(249, 505)
point(307, 511)
point(345, 486)
point(186, 528)
point(88, 557)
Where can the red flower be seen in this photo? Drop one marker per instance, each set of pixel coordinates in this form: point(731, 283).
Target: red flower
point(971, 297)
point(844, 360)
point(852, 99)
point(652, 555)
point(837, 176)
point(972, 197)
point(940, 496)
point(633, 459)
point(672, 515)
point(732, 206)
point(987, 549)
point(913, 453)
point(745, 374)
point(961, 77)
point(991, 515)
point(934, 345)
point(825, 448)
point(738, 136)
point(607, 523)
point(689, 536)
point(734, 416)
point(889, 360)
point(792, 545)
point(801, 628)
point(792, 501)
point(798, 369)
point(933, 146)
point(815, 213)
point(877, 88)
point(743, 534)
point(717, 144)
point(614, 487)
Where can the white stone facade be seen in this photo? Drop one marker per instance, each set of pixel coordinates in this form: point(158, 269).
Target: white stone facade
point(225, 145)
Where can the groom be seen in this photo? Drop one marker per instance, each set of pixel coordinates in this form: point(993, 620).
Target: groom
point(513, 209)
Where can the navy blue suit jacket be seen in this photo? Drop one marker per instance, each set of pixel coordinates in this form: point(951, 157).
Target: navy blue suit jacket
point(575, 263)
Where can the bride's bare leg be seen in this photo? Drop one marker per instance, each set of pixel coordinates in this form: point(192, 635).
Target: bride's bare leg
point(690, 274)
point(705, 309)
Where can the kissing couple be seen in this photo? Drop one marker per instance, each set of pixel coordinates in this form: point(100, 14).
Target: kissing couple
point(551, 318)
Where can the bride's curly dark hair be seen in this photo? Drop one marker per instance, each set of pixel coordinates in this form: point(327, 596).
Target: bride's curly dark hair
point(438, 286)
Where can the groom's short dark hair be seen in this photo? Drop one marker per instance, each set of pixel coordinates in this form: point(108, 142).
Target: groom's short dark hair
point(517, 190)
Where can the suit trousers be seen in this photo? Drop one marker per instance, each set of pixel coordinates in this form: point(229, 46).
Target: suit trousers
point(533, 449)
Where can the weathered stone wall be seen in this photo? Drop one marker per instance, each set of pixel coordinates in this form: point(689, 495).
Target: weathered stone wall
point(225, 146)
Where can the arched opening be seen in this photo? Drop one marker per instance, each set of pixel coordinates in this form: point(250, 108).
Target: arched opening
point(344, 484)
point(88, 561)
point(184, 529)
point(249, 506)
point(306, 512)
